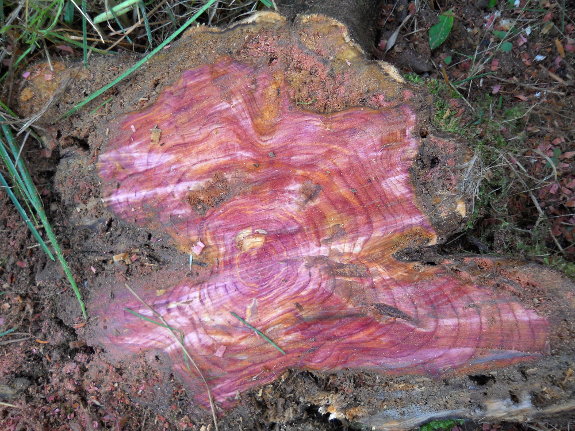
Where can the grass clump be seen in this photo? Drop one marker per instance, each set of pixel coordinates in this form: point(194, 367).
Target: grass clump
point(20, 188)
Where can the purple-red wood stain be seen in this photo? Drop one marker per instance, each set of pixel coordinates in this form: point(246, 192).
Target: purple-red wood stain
point(295, 216)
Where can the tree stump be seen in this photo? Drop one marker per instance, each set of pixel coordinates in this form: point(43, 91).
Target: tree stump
point(276, 197)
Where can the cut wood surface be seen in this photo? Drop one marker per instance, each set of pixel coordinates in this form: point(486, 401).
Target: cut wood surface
point(294, 187)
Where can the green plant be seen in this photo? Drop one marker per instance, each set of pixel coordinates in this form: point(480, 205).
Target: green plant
point(439, 32)
point(141, 62)
point(22, 188)
point(441, 425)
point(31, 28)
point(32, 25)
point(495, 129)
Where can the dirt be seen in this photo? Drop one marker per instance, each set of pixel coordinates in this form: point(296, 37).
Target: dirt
point(58, 381)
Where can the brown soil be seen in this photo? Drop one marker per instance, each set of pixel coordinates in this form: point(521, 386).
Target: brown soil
point(57, 381)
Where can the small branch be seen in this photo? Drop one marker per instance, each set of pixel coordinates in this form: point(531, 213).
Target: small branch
point(530, 86)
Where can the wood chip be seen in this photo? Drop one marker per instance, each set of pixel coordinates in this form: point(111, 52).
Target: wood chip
point(155, 135)
point(560, 48)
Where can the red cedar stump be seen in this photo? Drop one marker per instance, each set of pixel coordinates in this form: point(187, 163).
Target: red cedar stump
point(269, 171)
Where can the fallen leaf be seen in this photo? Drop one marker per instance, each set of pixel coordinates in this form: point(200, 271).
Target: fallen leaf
point(525, 59)
point(547, 27)
point(122, 257)
point(494, 65)
point(560, 48)
point(198, 247)
point(506, 46)
point(392, 39)
point(440, 31)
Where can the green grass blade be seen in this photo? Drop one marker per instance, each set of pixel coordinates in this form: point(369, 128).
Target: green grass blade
point(23, 173)
point(147, 319)
point(469, 78)
point(54, 241)
point(54, 11)
point(142, 7)
point(260, 333)
point(141, 62)
point(6, 107)
point(17, 171)
point(266, 3)
point(34, 197)
point(97, 108)
point(9, 331)
point(24, 54)
point(69, 13)
point(119, 23)
point(13, 172)
point(115, 11)
point(186, 359)
point(25, 217)
point(84, 35)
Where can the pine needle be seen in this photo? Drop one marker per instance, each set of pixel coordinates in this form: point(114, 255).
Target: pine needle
point(258, 332)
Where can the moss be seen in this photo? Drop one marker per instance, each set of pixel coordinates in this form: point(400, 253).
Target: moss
point(440, 425)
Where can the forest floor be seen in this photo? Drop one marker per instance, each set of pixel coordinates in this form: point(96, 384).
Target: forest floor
point(503, 79)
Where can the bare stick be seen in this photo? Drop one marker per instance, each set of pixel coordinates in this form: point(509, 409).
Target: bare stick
point(94, 26)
